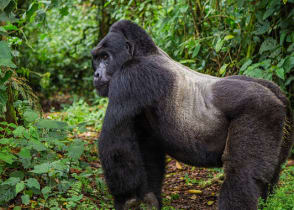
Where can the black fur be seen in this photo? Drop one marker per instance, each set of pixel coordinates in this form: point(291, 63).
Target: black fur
point(158, 107)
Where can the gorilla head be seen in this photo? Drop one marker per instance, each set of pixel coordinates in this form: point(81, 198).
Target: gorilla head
point(115, 49)
point(108, 57)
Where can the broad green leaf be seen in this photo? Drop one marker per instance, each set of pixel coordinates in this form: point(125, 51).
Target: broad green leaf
point(17, 208)
point(267, 45)
point(12, 181)
point(45, 191)
point(41, 169)
point(262, 28)
point(2, 29)
point(24, 153)
point(37, 145)
point(228, 37)
point(51, 124)
point(219, 45)
point(7, 193)
point(4, 4)
point(33, 183)
point(222, 70)
point(288, 64)
point(268, 13)
point(19, 187)
point(245, 65)
point(280, 73)
point(5, 52)
point(25, 199)
point(5, 141)
point(7, 63)
point(7, 157)
point(30, 116)
point(18, 132)
point(76, 149)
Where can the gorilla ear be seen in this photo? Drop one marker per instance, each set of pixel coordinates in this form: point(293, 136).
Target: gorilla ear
point(130, 47)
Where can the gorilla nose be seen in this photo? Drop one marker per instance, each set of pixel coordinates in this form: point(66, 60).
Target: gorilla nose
point(96, 74)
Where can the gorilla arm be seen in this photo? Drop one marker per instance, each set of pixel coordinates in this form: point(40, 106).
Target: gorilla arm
point(118, 144)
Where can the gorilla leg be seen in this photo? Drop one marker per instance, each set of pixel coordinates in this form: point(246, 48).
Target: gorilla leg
point(250, 158)
point(154, 163)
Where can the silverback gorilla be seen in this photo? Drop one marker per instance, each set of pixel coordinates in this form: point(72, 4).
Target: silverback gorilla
point(158, 106)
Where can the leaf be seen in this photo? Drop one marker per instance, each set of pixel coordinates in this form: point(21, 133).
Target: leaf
point(7, 63)
point(209, 203)
point(245, 65)
point(24, 154)
point(41, 169)
point(30, 116)
point(268, 13)
point(18, 132)
point(196, 50)
point(32, 10)
point(46, 190)
point(195, 191)
point(267, 45)
point(33, 183)
point(76, 150)
point(288, 64)
point(219, 45)
point(5, 52)
point(5, 141)
point(25, 199)
point(12, 181)
point(178, 165)
point(228, 37)
point(4, 4)
point(222, 70)
point(19, 187)
point(7, 157)
point(280, 73)
point(51, 124)
point(262, 28)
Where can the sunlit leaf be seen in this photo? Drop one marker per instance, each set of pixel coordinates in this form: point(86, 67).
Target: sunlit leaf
point(25, 199)
point(19, 187)
point(33, 183)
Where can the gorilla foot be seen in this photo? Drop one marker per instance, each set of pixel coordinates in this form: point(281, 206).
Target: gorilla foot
point(151, 201)
point(132, 203)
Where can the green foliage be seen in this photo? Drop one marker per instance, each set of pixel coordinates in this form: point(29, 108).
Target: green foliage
point(39, 152)
point(61, 49)
point(80, 114)
point(284, 194)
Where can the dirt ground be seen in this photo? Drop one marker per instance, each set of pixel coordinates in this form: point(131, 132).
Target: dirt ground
point(184, 194)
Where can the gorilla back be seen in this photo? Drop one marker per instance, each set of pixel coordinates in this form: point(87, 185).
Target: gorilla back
point(158, 106)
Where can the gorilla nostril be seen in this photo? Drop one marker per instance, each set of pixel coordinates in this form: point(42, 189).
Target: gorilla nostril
point(96, 74)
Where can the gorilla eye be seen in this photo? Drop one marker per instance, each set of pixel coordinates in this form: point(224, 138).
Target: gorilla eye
point(105, 57)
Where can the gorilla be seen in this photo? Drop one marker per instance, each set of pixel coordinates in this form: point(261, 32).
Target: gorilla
point(158, 106)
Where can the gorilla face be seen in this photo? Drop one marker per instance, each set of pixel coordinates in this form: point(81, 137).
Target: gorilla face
point(108, 58)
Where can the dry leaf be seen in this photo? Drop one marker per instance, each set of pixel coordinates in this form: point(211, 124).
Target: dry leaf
point(193, 197)
point(178, 165)
point(195, 191)
point(210, 203)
